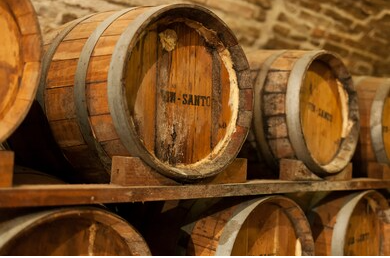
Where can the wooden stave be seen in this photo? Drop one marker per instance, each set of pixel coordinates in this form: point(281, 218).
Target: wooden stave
point(191, 174)
point(14, 227)
point(23, 11)
point(372, 141)
point(295, 135)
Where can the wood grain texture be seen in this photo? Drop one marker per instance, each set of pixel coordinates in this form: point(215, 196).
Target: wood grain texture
point(177, 101)
point(305, 108)
point(132, 171)
point(295, 170)
point(373, 145)
point(360, 233)
point(20, 63)
point(70, 231)
point(59, 195)
point(321, 112)
point(6, 168)
point(272, 226)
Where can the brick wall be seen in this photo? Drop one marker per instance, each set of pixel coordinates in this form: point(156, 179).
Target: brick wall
point(358, 30)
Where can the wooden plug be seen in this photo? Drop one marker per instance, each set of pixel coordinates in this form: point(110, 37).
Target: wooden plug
point(296, 170)
point(235, 172)
point(378, 170)
point(132, 171)
point(6, 168)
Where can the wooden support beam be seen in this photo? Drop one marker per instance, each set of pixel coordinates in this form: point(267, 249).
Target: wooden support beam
point(378, 170)
point(295, 170)
point(6, 168)
point(132, 171)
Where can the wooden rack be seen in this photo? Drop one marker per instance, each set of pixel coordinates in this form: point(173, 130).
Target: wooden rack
point(228, 183)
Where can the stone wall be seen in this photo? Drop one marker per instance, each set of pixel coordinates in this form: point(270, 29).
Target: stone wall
point(358, 30)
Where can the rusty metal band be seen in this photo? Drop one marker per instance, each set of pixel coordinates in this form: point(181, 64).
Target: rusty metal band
point(80, 89)
point(48, 57)
point(376, 118)
point(258, 119)
point(294, 126)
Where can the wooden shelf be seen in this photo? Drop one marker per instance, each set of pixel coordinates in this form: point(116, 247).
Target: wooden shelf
point(59, 195)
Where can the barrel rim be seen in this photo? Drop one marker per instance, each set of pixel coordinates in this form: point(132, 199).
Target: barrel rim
point(28, 222)
point(123, 121)
point(18, 111)
point(233, 226)
point(344, 215)
point(376, 116)
point(348, 145)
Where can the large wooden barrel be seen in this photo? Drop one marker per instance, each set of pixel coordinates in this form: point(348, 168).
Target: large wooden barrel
point(20, 62)
point(70, 231)
point(349, 224)
point(272, 225)
point(374, 108)
point(305, 107)
point(169, 84)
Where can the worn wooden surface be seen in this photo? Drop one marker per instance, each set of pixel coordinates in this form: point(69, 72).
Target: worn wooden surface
point(37, 195)
point(180, 100)
point(378, 170)
point(70, 231)
point(235, 172)
point(6, 168)
point(295, 170)
point(131, 171)
point(20, 62)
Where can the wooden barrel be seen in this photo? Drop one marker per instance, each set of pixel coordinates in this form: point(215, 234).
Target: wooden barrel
point(374, 108)
point(305, 107)
point(28, 176)
point(272, 225)
point(70, 231)
point(169, 84)
point(349, 224)
point(20, 62)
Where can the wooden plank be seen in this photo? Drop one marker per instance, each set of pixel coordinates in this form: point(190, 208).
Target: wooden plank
point(132, 171)
point(291, 169)
point(345, 174)
point(236, 172)
point(296, 170)
point(6, 168)
point(378, 170)
point(60, 195)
